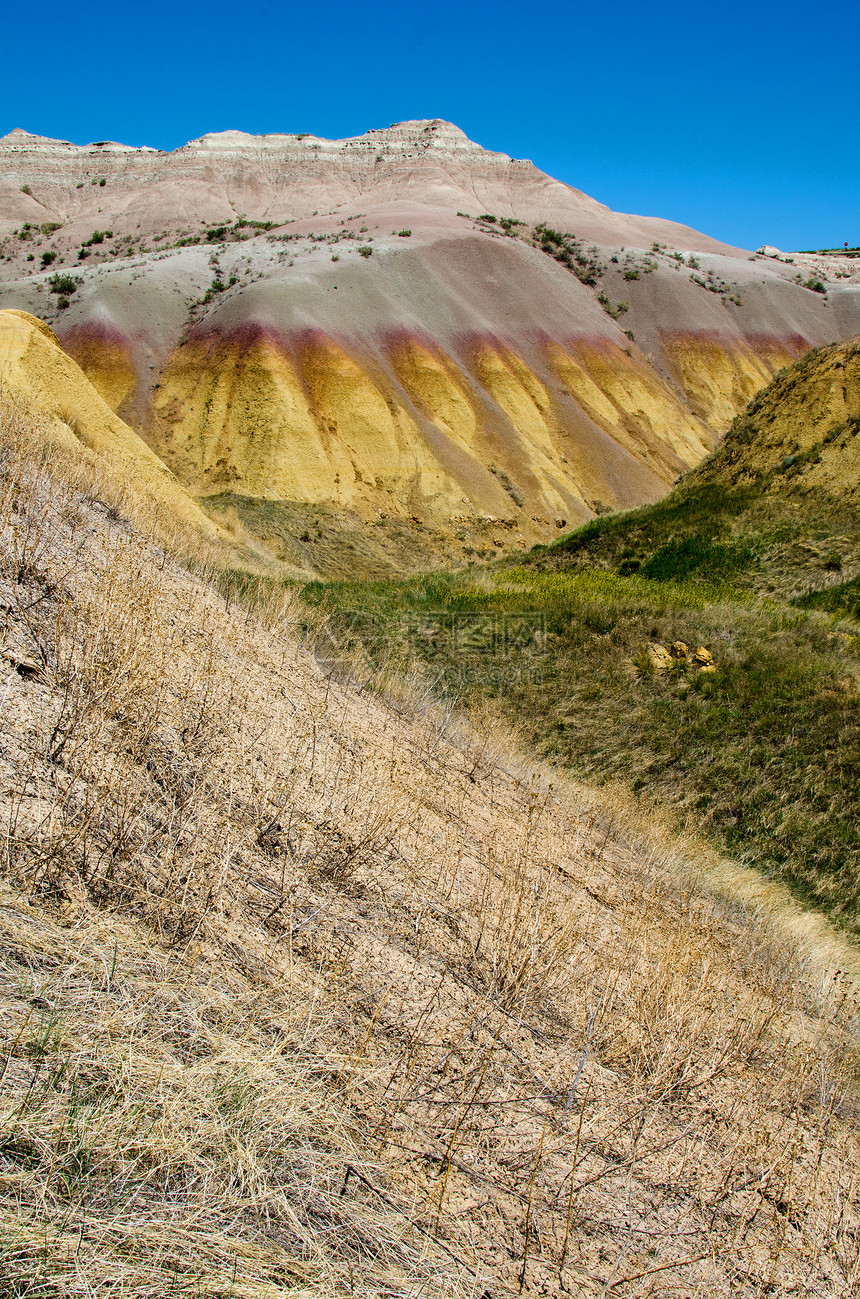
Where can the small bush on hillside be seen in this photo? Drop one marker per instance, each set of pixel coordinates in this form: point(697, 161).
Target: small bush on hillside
point(568, 250)
point(64, 284)
point(615, 310)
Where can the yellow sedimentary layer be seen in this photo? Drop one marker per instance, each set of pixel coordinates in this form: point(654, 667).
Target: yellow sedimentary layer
point(720, 376)
point(381, 439)
point(317, 424)
point(435, 386)
point(33, 364)
point(625, 397)
point(320, 425)
point(318, 428)
point(234, 418)
point(523, 398)
point(107, 365)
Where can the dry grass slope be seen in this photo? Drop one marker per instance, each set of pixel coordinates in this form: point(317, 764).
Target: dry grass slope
point(305, 989)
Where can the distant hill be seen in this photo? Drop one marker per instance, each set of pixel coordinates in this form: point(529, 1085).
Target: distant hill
point(398, 350)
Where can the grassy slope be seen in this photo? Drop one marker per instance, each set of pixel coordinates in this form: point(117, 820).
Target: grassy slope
point(301, 992)
point(755, 557)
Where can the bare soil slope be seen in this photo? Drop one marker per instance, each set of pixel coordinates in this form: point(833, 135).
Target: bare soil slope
point(36, 374)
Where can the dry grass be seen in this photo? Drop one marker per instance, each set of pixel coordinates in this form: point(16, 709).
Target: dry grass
point(303, 989)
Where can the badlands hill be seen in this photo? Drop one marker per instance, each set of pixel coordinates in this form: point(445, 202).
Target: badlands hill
point(803, 426)
point(380, 351)
point(37, 375)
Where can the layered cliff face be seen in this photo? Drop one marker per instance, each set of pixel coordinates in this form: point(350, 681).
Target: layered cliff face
point(334, 339)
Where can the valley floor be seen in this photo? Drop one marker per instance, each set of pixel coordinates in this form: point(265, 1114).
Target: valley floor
point(308, 989)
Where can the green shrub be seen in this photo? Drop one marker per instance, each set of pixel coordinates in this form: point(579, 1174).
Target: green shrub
point(365, 250)
point(404, 234)
point(64, 284)
point(614, 311)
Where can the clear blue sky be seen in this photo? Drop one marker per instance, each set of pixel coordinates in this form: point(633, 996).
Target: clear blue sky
point(738, 119)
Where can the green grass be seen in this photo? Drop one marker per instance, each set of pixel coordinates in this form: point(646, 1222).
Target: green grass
point(762, 754)
point(764, 538)
point(842, 599)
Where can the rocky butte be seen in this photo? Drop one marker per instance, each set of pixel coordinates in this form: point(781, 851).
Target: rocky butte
point(377, 353)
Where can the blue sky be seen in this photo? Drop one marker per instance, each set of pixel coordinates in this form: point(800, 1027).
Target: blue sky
point(739, 119)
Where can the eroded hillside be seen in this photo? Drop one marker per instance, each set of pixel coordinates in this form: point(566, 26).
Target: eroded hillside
point(385, 352)
point(309, 989)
